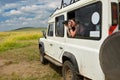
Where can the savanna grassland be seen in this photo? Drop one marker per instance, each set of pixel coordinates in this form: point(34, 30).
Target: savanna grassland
point(19, 57)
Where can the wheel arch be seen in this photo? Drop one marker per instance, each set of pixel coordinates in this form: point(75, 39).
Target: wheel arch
point(69, 56)
point(41, 47)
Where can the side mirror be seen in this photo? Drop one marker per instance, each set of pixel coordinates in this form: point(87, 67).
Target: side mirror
point(44, 34)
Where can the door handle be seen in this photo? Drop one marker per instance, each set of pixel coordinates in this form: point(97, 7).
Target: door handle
point(51, 44)
point(60, 47)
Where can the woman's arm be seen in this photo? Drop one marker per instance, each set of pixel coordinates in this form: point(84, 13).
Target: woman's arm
point(73, 33)
point(68, 31)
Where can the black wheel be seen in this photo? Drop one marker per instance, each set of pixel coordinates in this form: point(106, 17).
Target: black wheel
point(110, 57)
point(69, 72)
point(42, 59)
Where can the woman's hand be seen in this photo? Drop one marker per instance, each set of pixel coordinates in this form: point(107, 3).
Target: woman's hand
point(69, 24)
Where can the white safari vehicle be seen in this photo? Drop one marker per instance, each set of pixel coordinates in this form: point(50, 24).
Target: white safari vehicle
point(82, 57)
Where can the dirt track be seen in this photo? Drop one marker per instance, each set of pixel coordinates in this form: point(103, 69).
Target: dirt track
point(24, 64)
point(22, 68)
point(27, 69)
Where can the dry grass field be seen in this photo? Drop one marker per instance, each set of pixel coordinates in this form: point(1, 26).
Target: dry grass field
point(19, 57)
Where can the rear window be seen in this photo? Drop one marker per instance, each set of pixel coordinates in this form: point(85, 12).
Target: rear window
point(114, 10)
point(114, 16)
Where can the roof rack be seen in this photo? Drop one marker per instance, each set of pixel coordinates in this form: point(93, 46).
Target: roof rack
point(63, 4)
point(54, 11)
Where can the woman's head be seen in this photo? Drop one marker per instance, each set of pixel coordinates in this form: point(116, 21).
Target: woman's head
point(72, 22)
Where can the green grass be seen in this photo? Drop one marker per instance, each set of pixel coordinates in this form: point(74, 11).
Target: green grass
point(20, 54)
point(30, 29)
point(12, 40)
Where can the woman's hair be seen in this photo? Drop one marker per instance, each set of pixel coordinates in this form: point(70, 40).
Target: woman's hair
point(76, 21)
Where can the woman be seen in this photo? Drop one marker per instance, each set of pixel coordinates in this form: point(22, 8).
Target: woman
point(71, 27)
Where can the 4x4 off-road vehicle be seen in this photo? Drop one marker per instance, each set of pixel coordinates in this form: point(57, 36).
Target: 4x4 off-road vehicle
point(92, 56)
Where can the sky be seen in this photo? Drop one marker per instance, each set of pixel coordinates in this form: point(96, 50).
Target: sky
point(25, 13)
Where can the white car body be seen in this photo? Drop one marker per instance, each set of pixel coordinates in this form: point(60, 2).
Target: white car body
point(86, 51)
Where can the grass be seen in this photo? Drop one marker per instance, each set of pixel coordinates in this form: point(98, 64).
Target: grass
point(17, 77)
point(30, 29)
point(13, 40)
point(19, 57)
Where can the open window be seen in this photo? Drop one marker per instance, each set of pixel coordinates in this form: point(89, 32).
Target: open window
point(89, 18)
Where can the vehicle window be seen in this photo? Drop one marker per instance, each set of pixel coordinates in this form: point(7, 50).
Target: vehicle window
point(114, 13)
point(114, 16)
point(89, 21)
point(119, 15)
point(59, 27)
point(50, 29)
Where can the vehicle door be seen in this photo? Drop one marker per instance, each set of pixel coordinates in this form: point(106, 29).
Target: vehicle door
point(59, 37)
point(49, 40)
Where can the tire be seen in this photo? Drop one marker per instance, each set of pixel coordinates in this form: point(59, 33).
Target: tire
point(69, 72)
point(110, 57)
point(42, 59)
